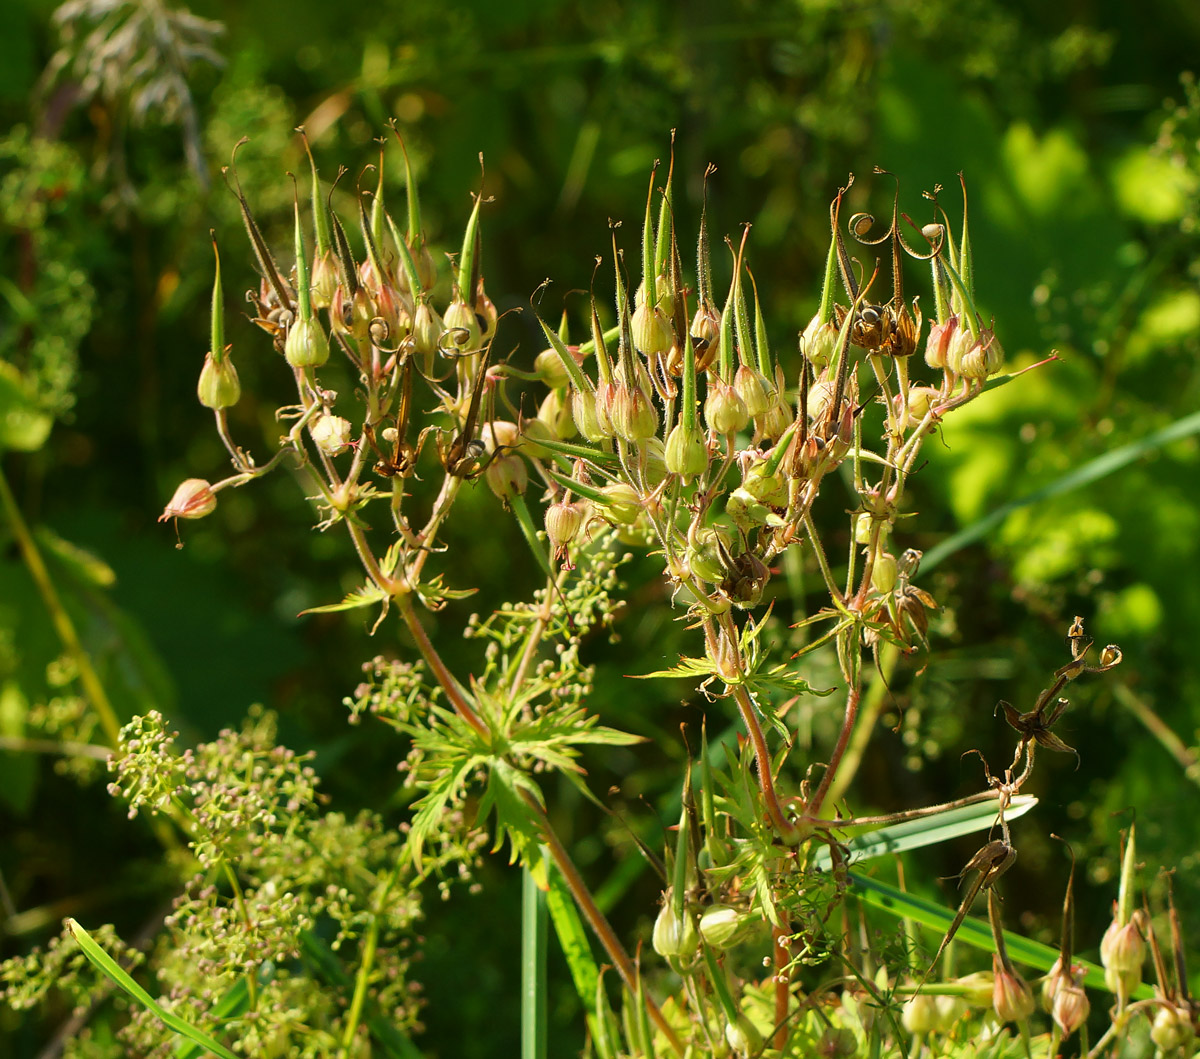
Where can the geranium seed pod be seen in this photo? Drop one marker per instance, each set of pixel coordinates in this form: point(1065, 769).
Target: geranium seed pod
point(548, 367)
point(507, 476)
point(753, 389)
point(884, 572)
point(818, 342)
point(919, 1014)
point(555, 412)
point(219, 386)
point(686, 454)
point(1012, 998)
point(306, 345)
point(724, 410)
point(674, 936)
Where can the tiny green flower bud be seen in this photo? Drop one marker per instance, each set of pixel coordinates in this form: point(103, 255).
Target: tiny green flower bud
point(818, 342)
point(1012, 998)
point(772, 423)
point(754, 390)
point(724, 410)
point(674, 936)
point(919, 1014)
point(331, 434)
point(219, 386)
point(686, 454)
point(957, 347)
point(306, 345)
point(507, 476)
point(193, 499)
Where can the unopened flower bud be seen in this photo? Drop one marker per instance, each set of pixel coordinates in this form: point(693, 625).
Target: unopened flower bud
point(306, 346)
point(585, 417)
point(674, 936)
point(1012, 998)
point(939, 341)
point(622, 505)
point(978, 987)
point(331, 434)
point(724, 410)
point(219, 386)
point(193, 499)
point(949, 1010)
point(633, 414)
point(1123, 948)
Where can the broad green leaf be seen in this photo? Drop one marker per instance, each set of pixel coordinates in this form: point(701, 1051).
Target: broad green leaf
point(113, 971)
point(926, 830)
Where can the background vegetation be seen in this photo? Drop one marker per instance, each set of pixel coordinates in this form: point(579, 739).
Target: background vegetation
point(1079, 140)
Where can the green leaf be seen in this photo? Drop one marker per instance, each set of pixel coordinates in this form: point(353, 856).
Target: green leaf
point(113, 971)
point(1092, 471)
point(688, 667)
point(573, 938)
point(974, 932)
point(926, 830)
point(364, 597)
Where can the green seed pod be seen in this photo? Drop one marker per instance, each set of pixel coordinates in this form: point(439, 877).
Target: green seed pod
point(818, 342)
point(462, 327)
point(722, 926)
point(724, 410)
point(919, 1014)
point(306, 345)
point(937, 345)
point(427, 328)
point(1172, 1029)
point(622, 505)
point(770, 489)
point(674, 936)
point(324, 281)
point(884, 573)
point(507, 476)
point(743, 1036)
point(686, 454)
point(754, 390)
point(634, 417)
point(563, 523)
point(548, 367)
point(583, 413)
point(774, 422)
point(1012, 999)
point(219, 386)
point(651, 331)
point(555, 413)
point(746, 512)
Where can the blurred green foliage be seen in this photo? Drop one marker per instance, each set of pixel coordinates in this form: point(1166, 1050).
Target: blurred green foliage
point(1083, 187)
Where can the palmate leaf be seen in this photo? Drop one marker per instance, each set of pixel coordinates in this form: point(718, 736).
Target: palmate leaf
point(432, 805)
point(366, 596)
point(687, 667)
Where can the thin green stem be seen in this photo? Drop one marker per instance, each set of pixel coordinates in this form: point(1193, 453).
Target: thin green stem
point(848, 721)
point(63, 625)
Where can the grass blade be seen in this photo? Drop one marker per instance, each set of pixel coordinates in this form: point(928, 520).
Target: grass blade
point(974, 932)
point(112, 970)
point(1092, 471)
point(533, 968)
point(926, 831)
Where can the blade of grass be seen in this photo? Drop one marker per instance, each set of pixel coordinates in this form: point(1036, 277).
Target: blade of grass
point(974, 932)
point(533, 968)
point(114, 972)
point(1092, 471)
point(926, 831)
